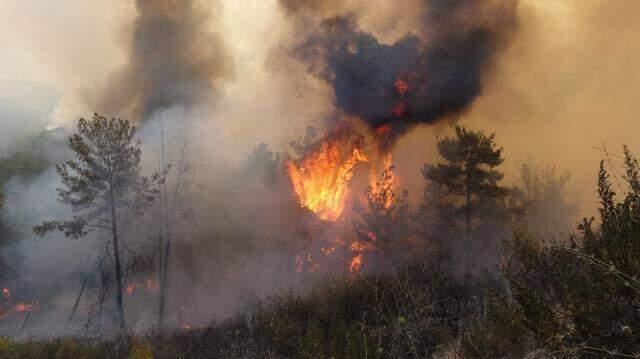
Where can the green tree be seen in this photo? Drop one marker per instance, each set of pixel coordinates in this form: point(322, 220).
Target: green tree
point(580, 301)
point(468, 179)
point(100, 185)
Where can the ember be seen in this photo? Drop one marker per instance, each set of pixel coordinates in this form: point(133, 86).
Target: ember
point(149, 285)
point(401, 86)
point(18, 308)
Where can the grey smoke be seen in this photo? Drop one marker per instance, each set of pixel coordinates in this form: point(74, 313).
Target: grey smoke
point(174, 60)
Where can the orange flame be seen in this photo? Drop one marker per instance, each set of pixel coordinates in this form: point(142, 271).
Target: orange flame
point(358, 249)
point(130, 288)
point(149, 284)
point(18, 308)
point(23, 307)
point(321, 179)
point(356, 263)
point(387, 163)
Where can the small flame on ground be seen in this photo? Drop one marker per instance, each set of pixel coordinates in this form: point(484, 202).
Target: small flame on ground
point(356, 263)
point(149, 284)
point(18, 309)
point(24, 307)
point(358, 249)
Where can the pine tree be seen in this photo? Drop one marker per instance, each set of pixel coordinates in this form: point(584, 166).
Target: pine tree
point(100, 185)
point(468, 178)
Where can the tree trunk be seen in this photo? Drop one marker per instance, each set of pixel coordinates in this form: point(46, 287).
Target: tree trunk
point(161, 286)
point(116, 258)
point(466, 246)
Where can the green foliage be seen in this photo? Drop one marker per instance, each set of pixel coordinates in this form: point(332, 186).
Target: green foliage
point(408, 314)
point(618, 241)
point(464, 191)
point(102, 183)
point(580, 301)
point(56, 349)
point(104, 176)
point(140, 350)
point(470, 158)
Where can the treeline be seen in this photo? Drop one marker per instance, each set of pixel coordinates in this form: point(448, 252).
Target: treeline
point(478, 269)
point(496, 273)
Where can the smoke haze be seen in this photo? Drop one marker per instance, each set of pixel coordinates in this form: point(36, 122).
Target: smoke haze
point(553, 79)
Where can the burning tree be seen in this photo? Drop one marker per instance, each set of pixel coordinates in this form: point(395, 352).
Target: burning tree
point(382, 225)
point(100, 184)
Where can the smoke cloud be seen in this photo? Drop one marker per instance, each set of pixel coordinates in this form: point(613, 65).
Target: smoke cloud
point(413, 80)
point(175, 59)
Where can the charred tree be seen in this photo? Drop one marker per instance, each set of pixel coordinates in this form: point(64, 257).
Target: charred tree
point(173, 206)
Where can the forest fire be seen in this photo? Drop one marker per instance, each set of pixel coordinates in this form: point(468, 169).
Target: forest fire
point(321, 179)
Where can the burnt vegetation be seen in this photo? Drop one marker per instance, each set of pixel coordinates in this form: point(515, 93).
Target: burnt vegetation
point(477, 269)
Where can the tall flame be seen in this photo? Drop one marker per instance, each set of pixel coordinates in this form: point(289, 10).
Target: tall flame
point(321, 179)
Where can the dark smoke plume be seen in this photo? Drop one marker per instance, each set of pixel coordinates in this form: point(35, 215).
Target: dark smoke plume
point(413, 80)
point(174, 60)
